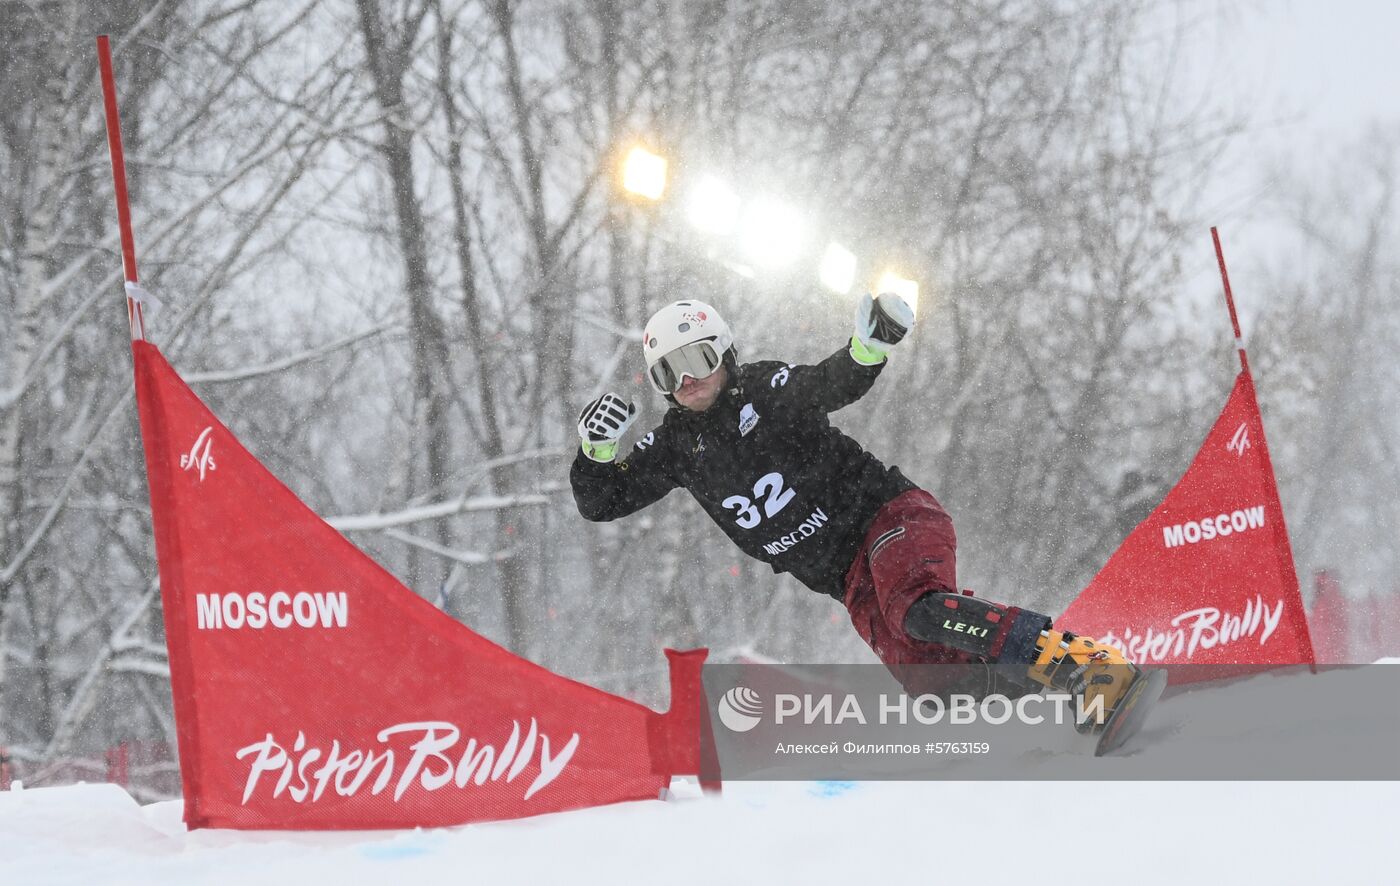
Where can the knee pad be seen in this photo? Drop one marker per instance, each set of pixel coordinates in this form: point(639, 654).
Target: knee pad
point(974, 625)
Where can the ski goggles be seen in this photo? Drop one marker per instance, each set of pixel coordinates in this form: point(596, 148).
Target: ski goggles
point(698, 360)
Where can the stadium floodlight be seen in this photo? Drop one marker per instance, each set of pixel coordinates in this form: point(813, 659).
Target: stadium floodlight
point(901, 286)
point(713, 207)
point(838, 268)
point(644, 173)
point(772, 233)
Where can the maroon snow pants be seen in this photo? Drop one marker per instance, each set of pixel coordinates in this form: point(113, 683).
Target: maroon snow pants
point(910, 550)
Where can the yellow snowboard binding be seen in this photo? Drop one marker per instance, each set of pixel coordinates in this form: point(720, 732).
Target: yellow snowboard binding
point(1115, 695)
point(1099, 675)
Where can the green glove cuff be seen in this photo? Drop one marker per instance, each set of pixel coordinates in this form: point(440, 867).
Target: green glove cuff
point(864, 354)
point(604, 452)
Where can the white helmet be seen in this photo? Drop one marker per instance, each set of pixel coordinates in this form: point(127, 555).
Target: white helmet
point(684, 338)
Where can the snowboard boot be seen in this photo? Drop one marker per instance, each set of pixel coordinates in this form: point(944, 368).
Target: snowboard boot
point(1025, 650)
point(1088, 670)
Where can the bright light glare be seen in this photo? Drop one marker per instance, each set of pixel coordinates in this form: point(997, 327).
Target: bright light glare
point(644, 173)
point(838, 269)
point(901, 286)
point(772, 233)
point(713, 206)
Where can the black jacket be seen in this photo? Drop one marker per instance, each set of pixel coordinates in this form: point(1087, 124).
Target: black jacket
point(767, 466)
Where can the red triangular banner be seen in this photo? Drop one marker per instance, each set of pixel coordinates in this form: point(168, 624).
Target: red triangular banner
point(1208, 578)
point(313, 690)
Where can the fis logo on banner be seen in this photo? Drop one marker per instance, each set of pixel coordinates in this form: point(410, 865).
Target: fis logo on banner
point(1219, 526)
point(1240, 442)
point(201, 455)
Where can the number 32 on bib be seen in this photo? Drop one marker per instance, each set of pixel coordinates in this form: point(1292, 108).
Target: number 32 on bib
point(770, 491)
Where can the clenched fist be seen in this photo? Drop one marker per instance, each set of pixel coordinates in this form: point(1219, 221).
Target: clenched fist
point(601, 425)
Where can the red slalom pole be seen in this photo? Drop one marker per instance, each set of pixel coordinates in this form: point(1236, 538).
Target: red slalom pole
point(114, 146)
point(1283, 545)
point(1229, 298)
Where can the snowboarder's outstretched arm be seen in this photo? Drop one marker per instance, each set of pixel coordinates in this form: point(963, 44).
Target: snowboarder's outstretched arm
point(605, 488)
point(834, 383)
point(846, 376)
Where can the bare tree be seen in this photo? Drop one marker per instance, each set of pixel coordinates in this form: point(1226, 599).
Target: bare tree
point(209, 170)
point(1322, 348)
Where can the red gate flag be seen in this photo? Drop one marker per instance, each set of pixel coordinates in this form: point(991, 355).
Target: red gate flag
point(313, 690)
point(1208, 578)
point(1331, 621)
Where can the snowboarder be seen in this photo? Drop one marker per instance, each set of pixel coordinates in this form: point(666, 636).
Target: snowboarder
point(753, 444)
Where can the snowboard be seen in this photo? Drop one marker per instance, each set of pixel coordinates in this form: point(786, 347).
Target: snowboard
point(1132, 712)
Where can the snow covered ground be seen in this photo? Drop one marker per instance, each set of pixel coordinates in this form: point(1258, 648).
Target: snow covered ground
point(1125, 832)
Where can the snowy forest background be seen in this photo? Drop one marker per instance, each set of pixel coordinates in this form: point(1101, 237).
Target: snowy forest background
point(396, 262)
